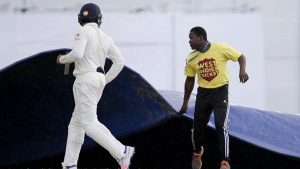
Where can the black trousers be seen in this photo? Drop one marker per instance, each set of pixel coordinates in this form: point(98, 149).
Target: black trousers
point(208, 101)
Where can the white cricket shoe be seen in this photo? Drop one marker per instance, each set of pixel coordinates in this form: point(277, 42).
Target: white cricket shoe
point(125, 161)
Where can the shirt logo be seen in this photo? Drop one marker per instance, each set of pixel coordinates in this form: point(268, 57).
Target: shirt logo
point(77, 36)
point(208, 69)
point(85, 13)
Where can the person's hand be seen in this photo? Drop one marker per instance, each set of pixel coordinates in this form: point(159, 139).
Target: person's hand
point(183, 109)
point(57, 59)
point(243, 77)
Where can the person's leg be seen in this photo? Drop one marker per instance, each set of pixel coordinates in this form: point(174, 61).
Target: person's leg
point(221, 113)
point(90, 94)
point(201, 117)
point(103, 136)
point(75, 138)
point(74, 142)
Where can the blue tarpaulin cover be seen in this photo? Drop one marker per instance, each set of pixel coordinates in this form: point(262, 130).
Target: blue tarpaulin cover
point(278, 132)
point(36, 103)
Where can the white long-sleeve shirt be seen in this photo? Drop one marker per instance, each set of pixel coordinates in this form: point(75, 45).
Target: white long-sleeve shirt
point(91, 47)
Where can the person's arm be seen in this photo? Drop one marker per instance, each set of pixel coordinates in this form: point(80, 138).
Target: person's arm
point(77, 51)
point(243, 74)
point(118, 63)
point(188, 88)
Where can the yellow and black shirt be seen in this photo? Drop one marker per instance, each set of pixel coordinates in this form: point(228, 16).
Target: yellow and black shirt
point(211, 66)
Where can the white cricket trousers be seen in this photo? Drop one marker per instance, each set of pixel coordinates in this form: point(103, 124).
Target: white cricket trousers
point(87, 90)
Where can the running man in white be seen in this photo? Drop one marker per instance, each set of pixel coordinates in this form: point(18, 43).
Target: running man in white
point(90, 49)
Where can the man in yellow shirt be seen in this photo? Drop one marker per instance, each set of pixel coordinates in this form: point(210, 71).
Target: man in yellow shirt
point(209, 62)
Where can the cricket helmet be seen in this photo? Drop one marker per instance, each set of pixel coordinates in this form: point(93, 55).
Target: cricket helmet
point(90, 13)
